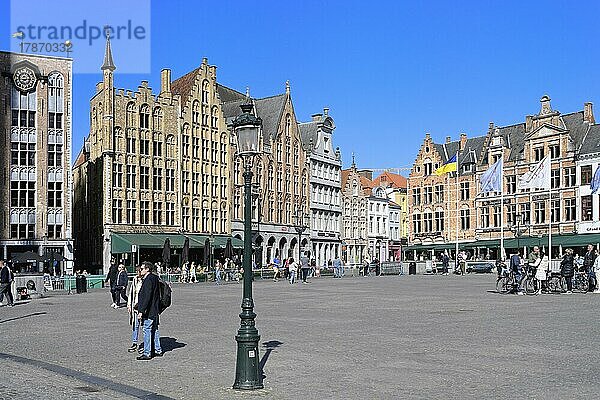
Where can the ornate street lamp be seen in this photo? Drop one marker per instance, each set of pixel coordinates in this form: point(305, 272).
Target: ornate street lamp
point(300, 224)
point(516, 229)
point(247, 129)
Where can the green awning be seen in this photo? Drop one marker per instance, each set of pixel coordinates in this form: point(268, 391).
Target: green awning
point(122, 242)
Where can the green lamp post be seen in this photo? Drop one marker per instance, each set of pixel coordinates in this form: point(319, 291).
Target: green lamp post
point(247, 128)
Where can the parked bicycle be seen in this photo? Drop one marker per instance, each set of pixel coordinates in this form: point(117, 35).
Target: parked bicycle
point(530, 283)
point(506, 282)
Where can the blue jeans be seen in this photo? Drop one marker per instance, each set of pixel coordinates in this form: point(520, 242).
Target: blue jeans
point(218, 276)
point(292, 276)
point(150, 331)
point(136, 328)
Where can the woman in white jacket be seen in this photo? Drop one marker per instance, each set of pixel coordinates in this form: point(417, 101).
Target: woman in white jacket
point(541, 274)
point(132, 300)
point(596, 269)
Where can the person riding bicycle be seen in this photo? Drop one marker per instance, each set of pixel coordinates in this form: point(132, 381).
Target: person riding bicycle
point(500, 268)
point(515, 267)
point(533, 261)
point(588, 266)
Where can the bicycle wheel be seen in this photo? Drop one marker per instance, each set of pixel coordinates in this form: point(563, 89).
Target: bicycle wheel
point(530, 285)
point(555, 284)
point(503, 285)
point(580, 283)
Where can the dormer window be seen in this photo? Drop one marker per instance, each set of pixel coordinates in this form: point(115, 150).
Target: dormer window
point(497, 141)
point(326, 145)
point(467, 167)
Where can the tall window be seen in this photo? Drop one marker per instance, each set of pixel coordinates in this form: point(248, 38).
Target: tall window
point(497, 215)
point(439, 221)
point(538, 153)
point(130, 117)
point(511, 184)
point(569, 176)
point(526, 213)
point(55, 100)
point(157, 148)
point(117, 211)
point(157, 213)
point(185, 143)
point(439, 193)
point(170, 213)
point(416, 196)
point(196, 183)
point(427, 222)
point(131, 144)
point(196, 218)
point(23, 154)
point(485, 217)
point(195, 112)
point(131, 207)
point(131, 177)
point(586, 174)
point(23, 107)
point(555, 217)
point(428, 168)
point(144, 212)
point(144, 147)
point(586, 208)
point(54, 194)
point(511, 214)
point(465, 219)
point(171, 146)
point(186, 182)
point(427, 195)
point(214, 117)
point(205, 89)
point(185, 218)
point(144, 177)
point(464, 191)
point(555, 178)
point(117, 177)
point(157, 179)
point(144, 116)
point(157, 117)
point(554, 150)
point(570, 214)
point(540, 212)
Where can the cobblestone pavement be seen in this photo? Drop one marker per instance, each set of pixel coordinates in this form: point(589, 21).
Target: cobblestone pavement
point(410, 337)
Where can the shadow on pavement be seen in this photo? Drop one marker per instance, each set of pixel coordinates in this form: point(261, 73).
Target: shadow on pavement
point(269, 346)
point(169, 344)
point(23, 316)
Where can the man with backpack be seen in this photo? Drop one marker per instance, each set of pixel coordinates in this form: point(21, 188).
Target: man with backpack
point(149, 307)
point(515, 266)
point(6, 279)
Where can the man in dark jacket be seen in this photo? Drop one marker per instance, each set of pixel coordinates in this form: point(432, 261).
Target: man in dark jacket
point(111, 277)
point(588, 266)
point(6, 278)
point(148, 308)
point(567, 269)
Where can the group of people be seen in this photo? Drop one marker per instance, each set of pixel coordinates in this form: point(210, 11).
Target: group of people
point(142, 297)
point(539, 266)
point(289, 268)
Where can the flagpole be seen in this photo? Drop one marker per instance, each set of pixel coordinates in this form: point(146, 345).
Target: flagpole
point(550, 225)
point(502, 208)
point(457, 170)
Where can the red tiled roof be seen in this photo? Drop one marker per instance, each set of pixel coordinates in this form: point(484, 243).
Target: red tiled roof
point(395, 180)
point(81, 158)
point(183, 86)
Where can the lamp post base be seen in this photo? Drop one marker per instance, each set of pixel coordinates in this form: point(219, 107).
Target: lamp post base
point(247, 370)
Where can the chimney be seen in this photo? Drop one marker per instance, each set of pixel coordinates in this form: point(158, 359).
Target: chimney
point(325, 111)
point(463, 140)
point(165, 81)
point(316, 117)
point(528, 123)
point(448, 139)
point(588, 113)
point(366, 173)
point(491, 126)
point(427, 136)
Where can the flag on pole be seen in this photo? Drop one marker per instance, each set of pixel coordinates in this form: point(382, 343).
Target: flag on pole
point(537, 177)
point(491, 180)
point(448, 166)
point(18, 34)
point(595, 183)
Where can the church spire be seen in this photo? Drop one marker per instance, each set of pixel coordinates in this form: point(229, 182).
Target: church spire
point(108, 59)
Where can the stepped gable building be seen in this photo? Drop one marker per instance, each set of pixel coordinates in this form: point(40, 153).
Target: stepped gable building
point(153, 166)
point(567, 138)
point(281, 178)
point(35, 179)
point(356, 189)
point(325, 186)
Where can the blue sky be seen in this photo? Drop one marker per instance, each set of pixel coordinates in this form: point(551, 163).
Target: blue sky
point(388, 70)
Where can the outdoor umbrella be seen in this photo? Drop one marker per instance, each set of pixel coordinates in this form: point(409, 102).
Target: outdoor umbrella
point(28, 256)
point(207, 252)
point(166, 253)
point(52, 256)
point(185, 253)
point(229, 250)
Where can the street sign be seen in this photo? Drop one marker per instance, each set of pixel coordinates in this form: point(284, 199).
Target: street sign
point(134, 248)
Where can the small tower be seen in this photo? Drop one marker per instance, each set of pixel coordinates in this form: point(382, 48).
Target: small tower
point(108, 66)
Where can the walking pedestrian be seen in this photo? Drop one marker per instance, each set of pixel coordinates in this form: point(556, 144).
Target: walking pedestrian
point(6, 279)
point(218, 270)
point(533, 262)
point(111, 277)
point(365, 267)
point(445, 263)
point(121, 287)
point(567, 269)
point(305, 267)
point(276, 268)
point(337, 268)
point(193, 273)
point(596, 268)
point(132, 301)
point(293, 267)
point(588, 265)
point(148, 308)
point(515, 266)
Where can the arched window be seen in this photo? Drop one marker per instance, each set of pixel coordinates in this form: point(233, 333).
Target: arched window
point(196, 112)
point(130, 118)
point(118, 139)
point(205, 86)
point(157, 116)
point(55, 100)
point(185, 141)
point(288, 124)
point(214, 118)
point(171, 146)
point(144, 116)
